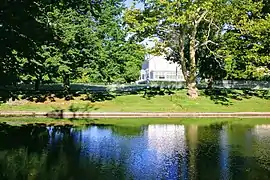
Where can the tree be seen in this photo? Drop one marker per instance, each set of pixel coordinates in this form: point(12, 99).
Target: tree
point(77, 46)
point(69, 41)
point(92, 47)
point(246, 45)
point(119, 55)
point(22, 31)
point(185, 27)
point(120, 58)
point(27, 32)
point(112, 57)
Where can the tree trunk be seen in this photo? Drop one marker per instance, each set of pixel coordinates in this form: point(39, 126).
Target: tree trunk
point(37, 84)
point(182, 56)
point(191, 83)
point(210, 83)
point(66, 83)
point(67, 94)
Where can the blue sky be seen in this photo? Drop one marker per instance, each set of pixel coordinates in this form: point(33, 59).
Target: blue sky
point(146, 42)
point(129, 3)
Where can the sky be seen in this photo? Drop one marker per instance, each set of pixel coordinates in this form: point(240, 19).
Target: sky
point(130, 2)
point(147, 42)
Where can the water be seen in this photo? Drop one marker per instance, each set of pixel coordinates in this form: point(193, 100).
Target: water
point(151, 152)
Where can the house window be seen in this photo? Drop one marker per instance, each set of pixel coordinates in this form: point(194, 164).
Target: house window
point(170, 75)
point(159, 75)
point(179, 77)
point(143, 76)
point(151, 75)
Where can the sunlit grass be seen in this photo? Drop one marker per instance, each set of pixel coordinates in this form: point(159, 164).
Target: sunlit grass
point(178, 102)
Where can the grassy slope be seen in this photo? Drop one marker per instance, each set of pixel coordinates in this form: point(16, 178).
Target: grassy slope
point(135, 122)
point(178, 102)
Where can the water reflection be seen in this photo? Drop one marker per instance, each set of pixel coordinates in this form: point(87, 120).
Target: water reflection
point(152, 152)
point(224, 155)
point(168, 145)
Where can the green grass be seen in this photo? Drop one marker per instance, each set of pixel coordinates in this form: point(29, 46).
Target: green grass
point(178, 102)
point(135, 122)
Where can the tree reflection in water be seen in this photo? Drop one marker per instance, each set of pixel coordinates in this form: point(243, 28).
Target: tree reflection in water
point(150, 152)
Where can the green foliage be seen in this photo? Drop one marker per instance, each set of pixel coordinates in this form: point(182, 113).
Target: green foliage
point(247, 49)
point(66, 41)
point(226, 38)
point(97, 41)
point(245, 43)
point(22, 33)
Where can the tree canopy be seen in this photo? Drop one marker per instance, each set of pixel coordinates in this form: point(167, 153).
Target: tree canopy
point(45, 41)
point(201, 35)
point(66, 41)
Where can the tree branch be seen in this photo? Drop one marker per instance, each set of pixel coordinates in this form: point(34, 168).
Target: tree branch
point(207, 42)
point(200, 18)
point(211, 23)
point(209, 29)
point(197, 43)
point(216, 56)
point(208, 34)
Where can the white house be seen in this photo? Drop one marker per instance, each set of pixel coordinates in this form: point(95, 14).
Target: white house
point(157, 68)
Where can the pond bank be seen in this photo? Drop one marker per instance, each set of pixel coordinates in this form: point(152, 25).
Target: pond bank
point(78, 115)
point(132, 122)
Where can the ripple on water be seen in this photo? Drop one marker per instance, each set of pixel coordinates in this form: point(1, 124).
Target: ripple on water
point(151, 152)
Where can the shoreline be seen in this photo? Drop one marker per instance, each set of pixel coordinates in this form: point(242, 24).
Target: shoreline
point(131, 122)
point(108, 115)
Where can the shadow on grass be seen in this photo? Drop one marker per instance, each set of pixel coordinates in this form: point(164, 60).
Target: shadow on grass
point(156, 91)
point(98, 96)
point(50, 96)
point(225, 96)
point(35, 96)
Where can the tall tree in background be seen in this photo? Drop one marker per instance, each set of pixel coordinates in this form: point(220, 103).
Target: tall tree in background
point(246, 44)
point(77, 47)
point(185, 27)
point(120, 57)
point(66, 41)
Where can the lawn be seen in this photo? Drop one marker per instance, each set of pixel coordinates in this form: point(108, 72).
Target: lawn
point(178, 102)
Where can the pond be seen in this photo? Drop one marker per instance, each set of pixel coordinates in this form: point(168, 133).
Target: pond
point(148, 152)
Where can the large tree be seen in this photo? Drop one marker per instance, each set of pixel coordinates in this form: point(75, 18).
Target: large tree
point(66, 41)
point(246, 45)
point(120, 58)
point(22, 31)
point(185, 27)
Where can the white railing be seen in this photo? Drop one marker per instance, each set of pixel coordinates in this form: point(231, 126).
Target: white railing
point(141, 85)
